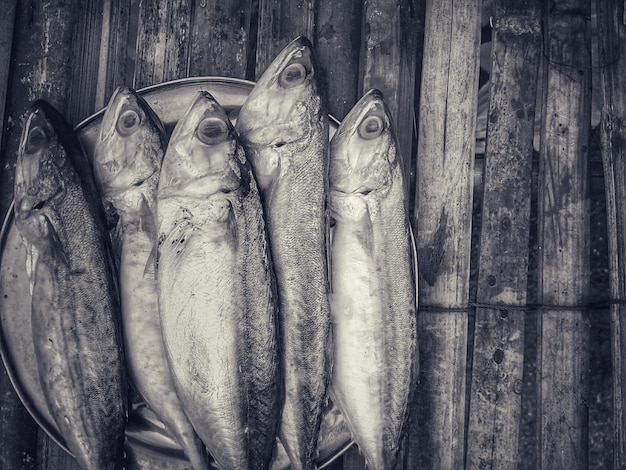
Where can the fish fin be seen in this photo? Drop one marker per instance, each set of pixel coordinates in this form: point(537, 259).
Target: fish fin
point(232, 232)
point(177, 236)
point(366, 236)
point(147, 221)
point(32, 255)
point(56, 247)
point(414, 256)
point(329, 243)
point(151, 264)
point(116, 237)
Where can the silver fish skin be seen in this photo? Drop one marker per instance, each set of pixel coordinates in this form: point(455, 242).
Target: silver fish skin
point(373, 282)
point(75, 303)
point(216, 289)
point(284, 127)
point(127, 162)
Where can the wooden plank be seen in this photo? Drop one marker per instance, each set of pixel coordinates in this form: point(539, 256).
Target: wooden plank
point(443, 219)
point(279, 23)
point(220, 38)
point(338, 32)
point(162, 41)
point(498, 356)
point(42, 68)
point(563, 225)
point(116, 42)
point(611, 38)
point(52, 457)
point(388, 61)
point(6, 40)
point(86, 54)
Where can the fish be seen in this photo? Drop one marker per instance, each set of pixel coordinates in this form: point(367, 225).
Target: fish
point(217, 296)
point(373, 266)
point(284, 126)
point(127, 162)
point(75, 301)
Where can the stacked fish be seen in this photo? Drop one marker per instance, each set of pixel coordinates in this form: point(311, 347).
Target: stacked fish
point(260, 271)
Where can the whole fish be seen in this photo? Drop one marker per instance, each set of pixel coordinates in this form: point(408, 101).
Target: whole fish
point(284, 126)
point(127, 162)
point(373, 282)
point(216, 289)
point(75, 304)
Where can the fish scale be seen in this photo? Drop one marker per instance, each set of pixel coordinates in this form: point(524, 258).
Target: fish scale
point(216, 289)
point(284, 126)
point(75, 305)
point(373, 282)
point(127, 160)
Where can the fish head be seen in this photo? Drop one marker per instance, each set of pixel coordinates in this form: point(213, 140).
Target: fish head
point(364, 150)
point(284, 109)
point(42, 169)
point(363, 158)
point(129, 151)
point(204, 158)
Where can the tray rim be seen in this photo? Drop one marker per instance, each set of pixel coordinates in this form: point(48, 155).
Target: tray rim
point(7, 225)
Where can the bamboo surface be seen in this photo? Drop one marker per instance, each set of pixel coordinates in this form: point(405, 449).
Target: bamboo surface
point(612, 33)
point(424, 56)
point(498, 355)
point(564, 239)
point(443, 220)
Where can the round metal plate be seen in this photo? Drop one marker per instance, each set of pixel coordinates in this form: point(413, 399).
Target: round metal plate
point(147, 438)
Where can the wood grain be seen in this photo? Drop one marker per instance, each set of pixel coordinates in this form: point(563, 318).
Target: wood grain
point(85, 48)
point(563, 225)
point(163, 44)
point(498, 355)
point(279, 23)
point(220, 38)
point(445, 162)
point(338, 33)
point(388, 62)
point(42, 67)
point(115, 45)
point(612, 37)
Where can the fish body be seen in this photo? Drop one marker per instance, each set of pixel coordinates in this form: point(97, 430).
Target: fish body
point(216, 289)
point(127, 162)
point(75, 304)
point(284, 127)
point(373, 282)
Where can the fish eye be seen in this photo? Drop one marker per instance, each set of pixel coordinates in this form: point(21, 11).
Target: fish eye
point(212, 130)
point(294, 74)
point(36, 139)
point(371, 127)
point(128, 121)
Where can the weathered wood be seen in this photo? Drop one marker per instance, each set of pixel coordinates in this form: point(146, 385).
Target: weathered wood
point(338, 33)
point(353, 460)
point(220, 38)
point(42, 67)
point(279, 23)
point(114, 47)
point(498, 354)
point(6, 40)
point(86, 52)
point(52, 457)
point(611, 39)
point(563, 225)
point(443, 219)
point(162, 41)
point(388, 58)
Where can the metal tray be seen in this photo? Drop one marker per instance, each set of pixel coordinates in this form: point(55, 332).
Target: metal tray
point(147, 439)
